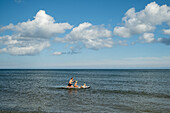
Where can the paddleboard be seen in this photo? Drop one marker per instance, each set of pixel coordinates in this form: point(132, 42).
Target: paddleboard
point(86, 87)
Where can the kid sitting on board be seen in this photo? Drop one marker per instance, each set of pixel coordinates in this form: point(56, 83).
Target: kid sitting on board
point(75, 85)
point(83, 85)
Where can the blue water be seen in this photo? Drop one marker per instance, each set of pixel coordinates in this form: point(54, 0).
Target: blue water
point(119, 91)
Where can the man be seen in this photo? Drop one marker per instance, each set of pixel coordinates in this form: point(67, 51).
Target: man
point(70, 84)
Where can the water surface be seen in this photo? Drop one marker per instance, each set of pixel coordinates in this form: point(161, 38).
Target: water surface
point(123, 91)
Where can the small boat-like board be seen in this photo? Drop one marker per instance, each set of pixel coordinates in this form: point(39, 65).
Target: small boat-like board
point(84, 87)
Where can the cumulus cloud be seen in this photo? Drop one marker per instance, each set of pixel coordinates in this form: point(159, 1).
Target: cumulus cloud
point(144, 20)
point(16, 45)
point(91, 36)
point(43, 26)
point(147, 38)
point(32, 36)
point(166, 31)
point(165, 41)
point(28, 50)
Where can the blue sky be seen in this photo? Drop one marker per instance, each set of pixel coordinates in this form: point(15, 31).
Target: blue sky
point(107, 34)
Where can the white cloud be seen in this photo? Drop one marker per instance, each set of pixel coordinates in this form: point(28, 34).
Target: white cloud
point(144, 20)
point(165, 41)
point(43, 26)
point(166, 31)
point(28, 50)
point(122, 32)
point(94, 37)
point(8, 40)
point(147, 38)
point(32, 36)
point(17, 45)
point(57, 53)
point(3, 50)
point(122, 42)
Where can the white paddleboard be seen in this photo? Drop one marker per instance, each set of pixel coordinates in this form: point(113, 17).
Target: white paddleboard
point(84, 87)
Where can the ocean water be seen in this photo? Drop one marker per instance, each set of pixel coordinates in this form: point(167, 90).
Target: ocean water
point(119, 91)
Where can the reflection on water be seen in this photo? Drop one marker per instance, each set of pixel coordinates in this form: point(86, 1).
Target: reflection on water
point(72, 91)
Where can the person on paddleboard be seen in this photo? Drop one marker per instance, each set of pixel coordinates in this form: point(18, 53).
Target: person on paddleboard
point(75, 85)
point(84, 86)
point(70, 84)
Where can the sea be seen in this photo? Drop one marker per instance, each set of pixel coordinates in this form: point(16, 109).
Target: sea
point(111, 91)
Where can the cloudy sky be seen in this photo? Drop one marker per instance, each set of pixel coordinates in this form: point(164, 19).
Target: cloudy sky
point(107, 34)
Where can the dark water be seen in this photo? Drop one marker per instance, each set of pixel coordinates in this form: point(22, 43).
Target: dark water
point(119, 91)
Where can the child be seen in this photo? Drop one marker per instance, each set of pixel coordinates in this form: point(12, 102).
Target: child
point(83, 85)
point(75, 85)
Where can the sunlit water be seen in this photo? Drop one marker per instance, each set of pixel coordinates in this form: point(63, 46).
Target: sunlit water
point(123, 91)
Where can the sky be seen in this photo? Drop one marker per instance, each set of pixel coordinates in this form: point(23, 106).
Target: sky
point(84, 34)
